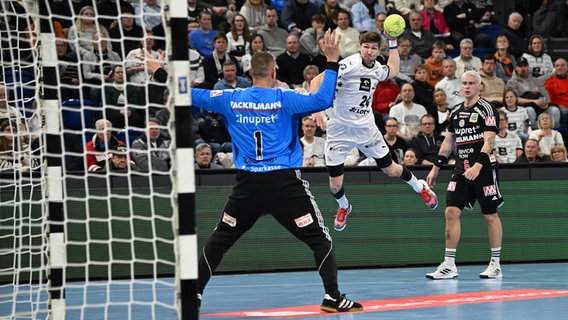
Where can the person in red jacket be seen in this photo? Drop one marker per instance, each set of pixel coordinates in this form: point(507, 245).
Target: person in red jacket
point(557, 87)
point(385, 96)
point(99, 150)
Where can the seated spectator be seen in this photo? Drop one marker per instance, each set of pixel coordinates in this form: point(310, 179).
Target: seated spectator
point(15, 153)
point(310, 72)
point(296, 15)
point(330, 9)
point(514, 33)
point(99, 150)
point(450, 84)
point(380, 29)
point(462, 17)
point(109, 11)
point(126, 35)
point(532, 93)
point(194, 8)
point(120, 101)
point(434, 21)
point(135, 69)
point(385, 96)
point(505, 61)
point(442, 114)
point(397, 145)
point(508, 146)
point(408, 61)
point(540, 63)
point(309, 39)
point(314, 147)
point(427, 142)
point(230, 79)
point(97, 66)
point(349, 36)
point(212, 130)
point(203, 157)
point(150, 151)
point(213, 64)
point(546, 135)
point(363, 14)
point(494, 86)
point(423, 91)
point(408, 112)
point(256, 45)
point(81, 33)
point(148, 14)
point(253, 11)
point(517, 116)
point(557, 88)
point(120, 161)
point(404, 7)
point(238, 37)
point(274, 37)
point(422, 39)
point(68, 70)
point(530, 154)
point(291, 64)
point(203, 38)
point(434, 64)
point(466, 60)
point(222, 11)
point(410, 157)
point(558, 153)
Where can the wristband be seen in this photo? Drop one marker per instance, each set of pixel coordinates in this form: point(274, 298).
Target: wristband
point(483, 159)
point(393, 44)
point(441, 161)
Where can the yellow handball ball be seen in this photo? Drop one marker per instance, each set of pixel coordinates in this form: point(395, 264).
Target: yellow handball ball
point(394, 25)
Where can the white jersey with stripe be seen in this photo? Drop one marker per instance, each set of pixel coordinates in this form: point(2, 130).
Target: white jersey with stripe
point(354, 92)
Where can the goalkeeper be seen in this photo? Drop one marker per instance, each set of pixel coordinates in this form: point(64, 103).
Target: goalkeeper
point(263, 123)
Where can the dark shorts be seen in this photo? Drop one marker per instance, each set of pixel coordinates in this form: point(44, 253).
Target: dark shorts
point(282, 194)
point(463, 193)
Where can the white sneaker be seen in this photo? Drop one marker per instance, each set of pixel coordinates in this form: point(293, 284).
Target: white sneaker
point(444, 271)
point(493, 271)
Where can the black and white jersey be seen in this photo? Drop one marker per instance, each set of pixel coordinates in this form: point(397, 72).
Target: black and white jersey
point(468, 124)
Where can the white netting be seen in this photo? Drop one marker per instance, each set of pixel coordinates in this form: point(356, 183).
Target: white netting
point(118, 231)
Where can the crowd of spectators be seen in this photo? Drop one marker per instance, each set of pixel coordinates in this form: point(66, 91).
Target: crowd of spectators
point(101, 44)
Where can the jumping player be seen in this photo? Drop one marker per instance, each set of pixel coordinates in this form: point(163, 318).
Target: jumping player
point(473, 126)
point(351, 123)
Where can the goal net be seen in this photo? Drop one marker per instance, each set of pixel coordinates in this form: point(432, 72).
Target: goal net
point(89, 185)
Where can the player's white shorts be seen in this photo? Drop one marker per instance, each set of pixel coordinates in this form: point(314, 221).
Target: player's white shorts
point(341, 139)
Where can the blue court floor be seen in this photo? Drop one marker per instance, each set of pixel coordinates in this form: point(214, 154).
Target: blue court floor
point(526, 292)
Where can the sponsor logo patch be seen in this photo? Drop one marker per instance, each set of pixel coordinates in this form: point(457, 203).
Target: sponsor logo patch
point(490, 121)
point(461, 123)
point(365, 84)
point(229, 220)
point(452, 186)
point(215, 93)
point(304, 220)
point(473, 118)
point(490, 190)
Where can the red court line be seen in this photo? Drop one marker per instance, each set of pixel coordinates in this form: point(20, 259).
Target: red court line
point(404, 303)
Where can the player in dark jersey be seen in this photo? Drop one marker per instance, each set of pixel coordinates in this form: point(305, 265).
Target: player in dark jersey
point(263, 123)
point(473, 126)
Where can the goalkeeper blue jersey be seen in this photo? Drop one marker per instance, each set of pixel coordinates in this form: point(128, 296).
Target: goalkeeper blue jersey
point(263, 122)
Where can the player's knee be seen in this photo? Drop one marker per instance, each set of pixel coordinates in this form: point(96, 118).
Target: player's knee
point(335, 171)
point(452, 213)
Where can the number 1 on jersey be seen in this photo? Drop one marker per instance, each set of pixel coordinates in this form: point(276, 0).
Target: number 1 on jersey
point(258, 143)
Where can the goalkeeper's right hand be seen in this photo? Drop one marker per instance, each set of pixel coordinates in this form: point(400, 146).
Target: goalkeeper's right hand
point(320, 119)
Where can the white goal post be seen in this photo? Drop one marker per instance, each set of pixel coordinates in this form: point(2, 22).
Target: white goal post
point(118, 242)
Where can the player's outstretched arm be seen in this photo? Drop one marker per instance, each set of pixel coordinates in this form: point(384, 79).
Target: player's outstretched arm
point(394, 57)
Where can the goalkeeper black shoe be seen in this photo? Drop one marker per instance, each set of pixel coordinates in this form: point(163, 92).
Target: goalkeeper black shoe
point(341, 304)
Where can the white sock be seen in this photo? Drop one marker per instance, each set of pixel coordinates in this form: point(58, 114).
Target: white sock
point(343, 202)
point(450, 256)
point(415, 184)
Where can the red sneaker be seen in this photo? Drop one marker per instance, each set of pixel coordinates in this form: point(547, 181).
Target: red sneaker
point(341, 218)
point(428, 196)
